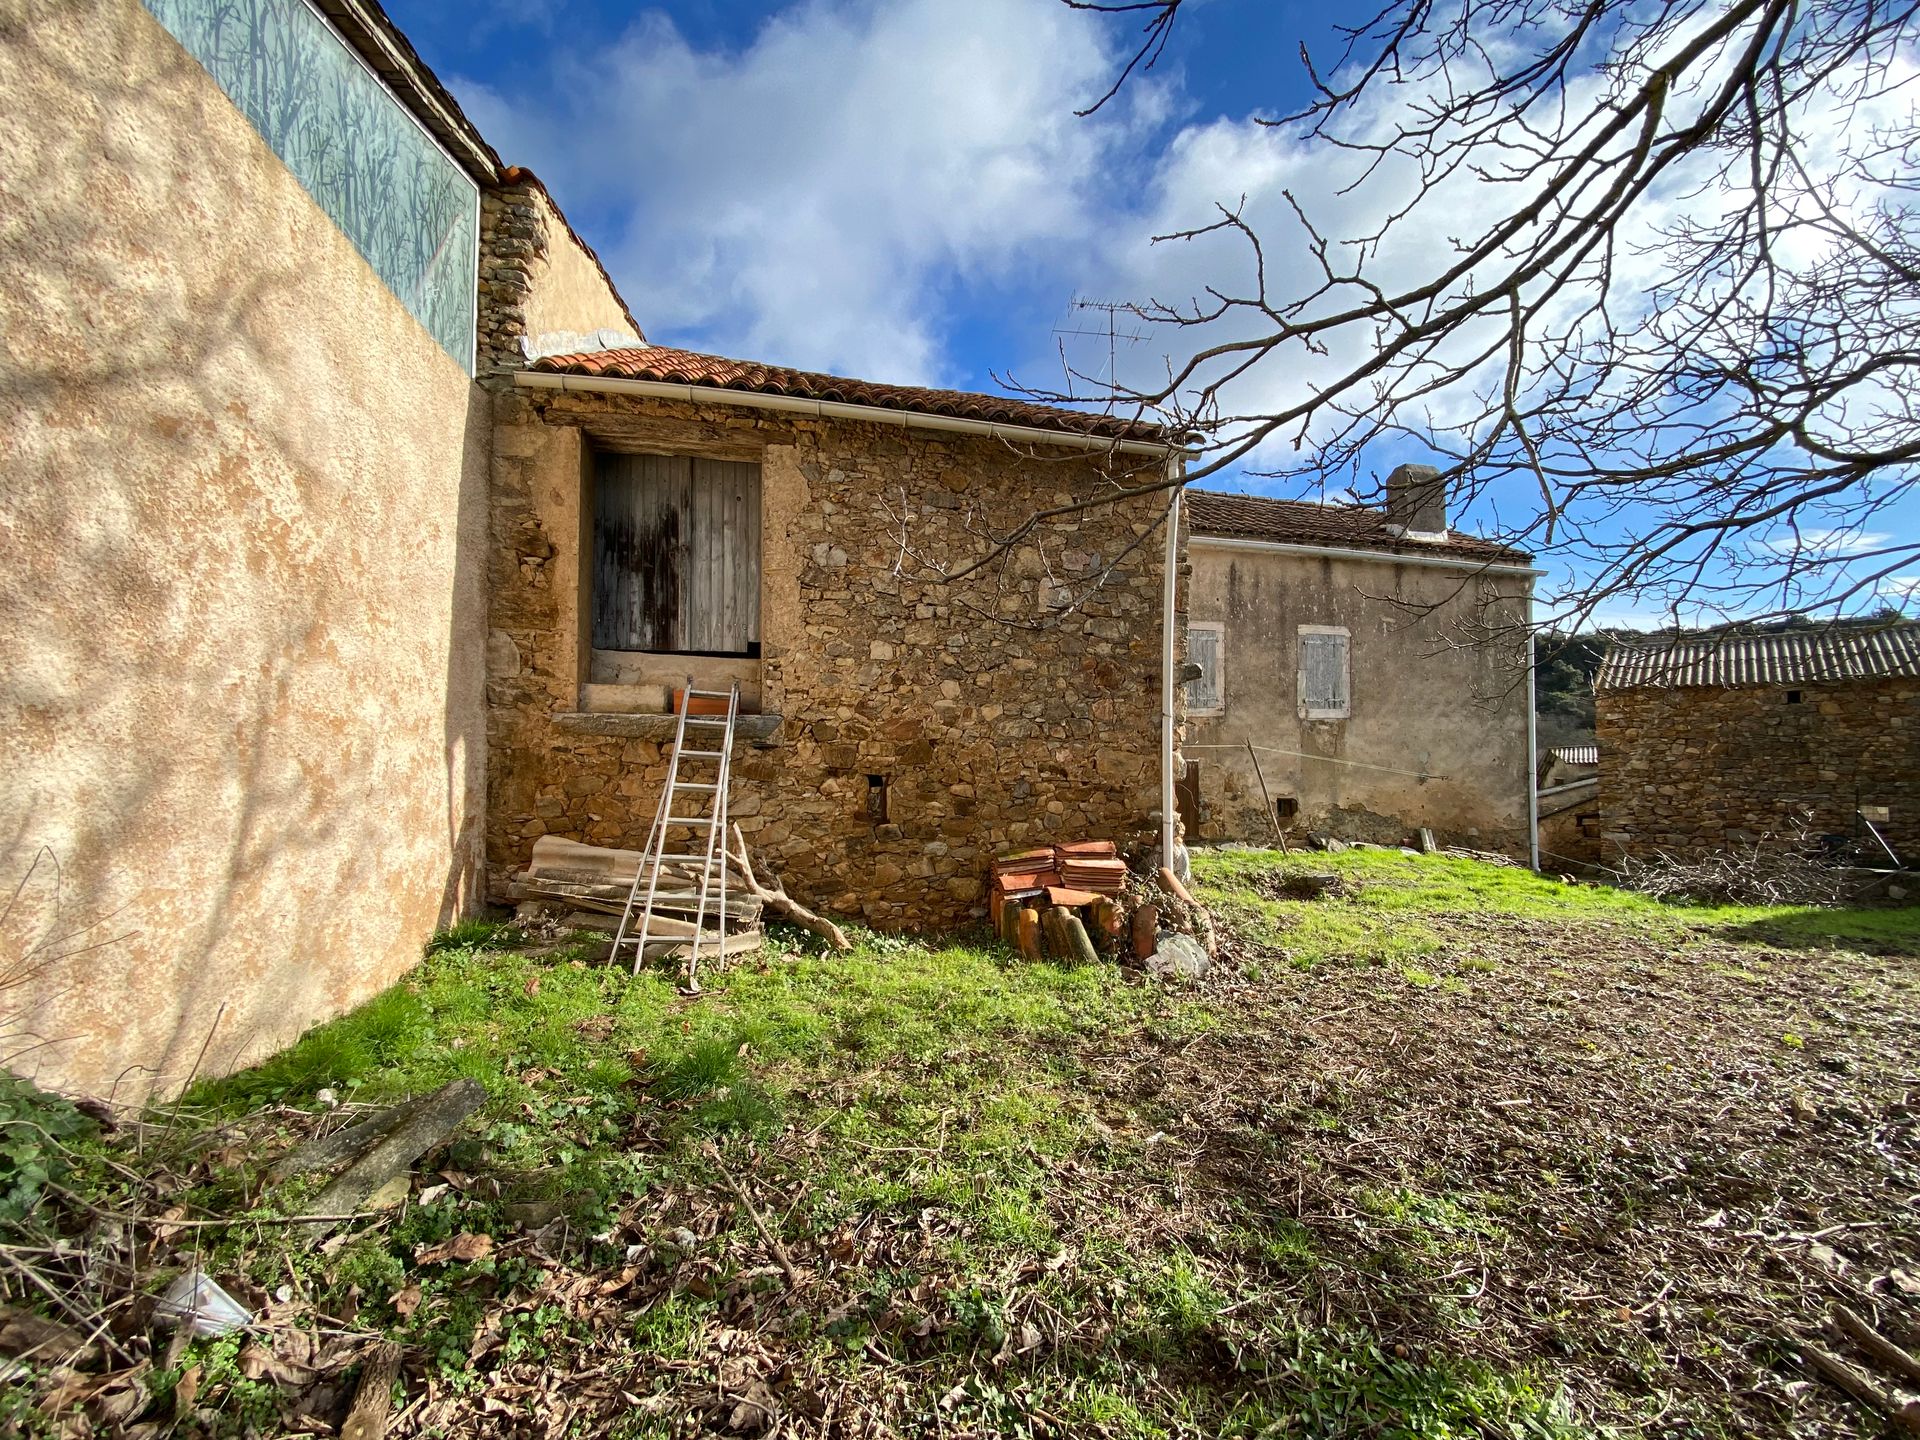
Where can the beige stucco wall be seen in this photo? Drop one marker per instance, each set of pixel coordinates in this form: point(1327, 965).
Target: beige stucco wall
point(242, 591)
point(1429, 696)
point(570, 292)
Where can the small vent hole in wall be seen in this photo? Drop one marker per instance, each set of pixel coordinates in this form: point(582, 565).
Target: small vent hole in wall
point(1793, 697)
point(1285, 808)
point(877, 799)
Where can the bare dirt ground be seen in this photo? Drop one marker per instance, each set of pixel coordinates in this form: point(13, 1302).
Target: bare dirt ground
point(1646, 1167)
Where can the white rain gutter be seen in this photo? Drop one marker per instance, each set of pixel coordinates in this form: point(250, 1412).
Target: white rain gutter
point(1169, 613)
point(1343, 552)
point(831, 410)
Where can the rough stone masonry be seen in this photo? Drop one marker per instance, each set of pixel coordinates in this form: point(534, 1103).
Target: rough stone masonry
point(922, 725)
point(1688, 771)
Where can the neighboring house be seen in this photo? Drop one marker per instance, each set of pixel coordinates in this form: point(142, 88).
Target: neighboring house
point(1713, 740)
point(1568, 765)
point(1372, 660)
point(314, 619)
point(1568, 805)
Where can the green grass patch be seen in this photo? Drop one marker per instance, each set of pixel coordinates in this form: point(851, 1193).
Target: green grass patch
point(1379, 920)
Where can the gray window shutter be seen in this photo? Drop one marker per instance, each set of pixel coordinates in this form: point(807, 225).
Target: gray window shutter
point(1203, 649)
point(1323, 671)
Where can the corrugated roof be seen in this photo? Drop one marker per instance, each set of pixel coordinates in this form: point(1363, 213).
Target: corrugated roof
point(1349, 527)
point(1788, 657)
point(1576, 754)
point(690, 367)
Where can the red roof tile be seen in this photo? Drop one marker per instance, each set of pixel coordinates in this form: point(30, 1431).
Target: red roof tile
point(689, 367)
point(1347, 527)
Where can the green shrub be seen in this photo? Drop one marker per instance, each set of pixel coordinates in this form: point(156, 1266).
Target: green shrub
point(35, 1134)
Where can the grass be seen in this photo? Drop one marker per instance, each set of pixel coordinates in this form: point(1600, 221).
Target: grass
point(945, 1120)
point(1394, 898)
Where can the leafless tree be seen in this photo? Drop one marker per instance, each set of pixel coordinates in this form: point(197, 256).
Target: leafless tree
point(1646, 283)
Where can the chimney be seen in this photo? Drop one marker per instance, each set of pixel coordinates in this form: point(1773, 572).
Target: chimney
point(1417, 503)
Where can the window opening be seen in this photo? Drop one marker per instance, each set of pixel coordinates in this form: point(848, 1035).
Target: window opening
point(676, 555)
point(877, 799)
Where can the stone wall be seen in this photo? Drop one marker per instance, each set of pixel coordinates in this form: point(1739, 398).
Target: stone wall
point(1437, 736)
point(1689, 771)
point(992, 715)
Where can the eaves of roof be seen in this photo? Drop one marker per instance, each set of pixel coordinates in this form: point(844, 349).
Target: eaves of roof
point(1840, 653)
point(662, 364)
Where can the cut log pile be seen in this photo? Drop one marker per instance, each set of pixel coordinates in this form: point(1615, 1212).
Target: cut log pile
point(1077, 901)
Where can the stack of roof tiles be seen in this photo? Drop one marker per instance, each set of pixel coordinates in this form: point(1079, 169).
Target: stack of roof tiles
point(1071, 875)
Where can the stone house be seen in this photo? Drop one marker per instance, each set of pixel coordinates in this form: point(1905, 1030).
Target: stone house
point(312, 607)
point(906, 725)
point(1362, 672)
point(1719, 739)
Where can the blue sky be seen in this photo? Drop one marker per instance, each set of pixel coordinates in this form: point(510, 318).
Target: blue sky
point(896, 189)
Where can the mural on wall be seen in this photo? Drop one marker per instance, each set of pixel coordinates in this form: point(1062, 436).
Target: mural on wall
point(406, 206)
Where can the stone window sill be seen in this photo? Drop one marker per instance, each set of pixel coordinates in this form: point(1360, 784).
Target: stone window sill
point(758, 730)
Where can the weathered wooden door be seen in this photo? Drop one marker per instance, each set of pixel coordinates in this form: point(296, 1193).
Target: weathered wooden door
point(676, 555)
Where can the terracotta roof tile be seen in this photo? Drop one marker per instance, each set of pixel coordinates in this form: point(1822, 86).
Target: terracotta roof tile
point(1348, 527)
point(1787, 657)
point(689, 367)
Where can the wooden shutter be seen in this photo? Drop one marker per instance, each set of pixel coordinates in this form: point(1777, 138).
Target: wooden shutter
point(676, 555)
point(1203, 649)
point(1323, 673)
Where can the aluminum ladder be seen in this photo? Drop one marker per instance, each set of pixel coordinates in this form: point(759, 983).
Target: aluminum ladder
point(693, 874)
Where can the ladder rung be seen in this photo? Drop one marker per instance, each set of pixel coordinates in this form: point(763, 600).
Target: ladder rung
point(690, 820)
point(701, 754)
point(695, 785)
point(712, 694)
point(706, 720)
point(702, 859)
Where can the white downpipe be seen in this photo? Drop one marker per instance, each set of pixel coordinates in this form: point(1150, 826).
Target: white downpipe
point(1169, 613)
point(1533, 747)
point(831, 410)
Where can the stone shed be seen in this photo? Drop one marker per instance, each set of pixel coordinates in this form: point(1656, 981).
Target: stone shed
point(1362, 672)
point(659, 514)
point(1712, 740)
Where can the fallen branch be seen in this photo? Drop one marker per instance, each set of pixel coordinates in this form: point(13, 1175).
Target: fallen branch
point(430, 1122)
point(1885, 1353)
point(776, 899)
point(772, 1241)
point(1834, 1370)
point(373, 1399)
point(326, 1152)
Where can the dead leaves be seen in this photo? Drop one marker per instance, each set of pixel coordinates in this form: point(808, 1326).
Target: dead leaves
point(468, 1246)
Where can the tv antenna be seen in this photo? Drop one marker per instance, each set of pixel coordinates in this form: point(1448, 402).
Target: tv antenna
point(1113, 334)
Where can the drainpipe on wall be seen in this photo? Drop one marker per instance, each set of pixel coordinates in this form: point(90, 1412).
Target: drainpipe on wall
point(1168, 615)
point(1533, 745)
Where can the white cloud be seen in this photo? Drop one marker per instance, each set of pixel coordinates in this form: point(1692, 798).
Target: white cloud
point(1825, 544)
point(814, 197)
